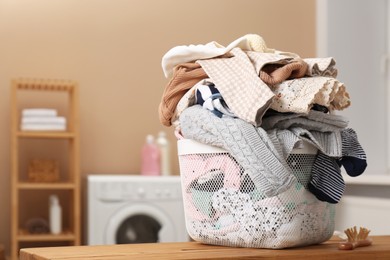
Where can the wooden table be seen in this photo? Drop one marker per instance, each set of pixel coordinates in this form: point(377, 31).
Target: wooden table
point(194, 250)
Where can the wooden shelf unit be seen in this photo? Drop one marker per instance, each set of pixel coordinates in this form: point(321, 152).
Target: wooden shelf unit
point(71, 234)
point(26, 237)
point(45, 135)
point(46, 186)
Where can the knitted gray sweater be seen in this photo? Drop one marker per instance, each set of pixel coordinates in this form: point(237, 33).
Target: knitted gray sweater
point(259, 155)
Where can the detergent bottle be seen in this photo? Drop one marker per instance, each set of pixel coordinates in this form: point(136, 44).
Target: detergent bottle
point(150, 156)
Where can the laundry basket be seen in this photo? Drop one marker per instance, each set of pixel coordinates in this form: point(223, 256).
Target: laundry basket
point(223, 206)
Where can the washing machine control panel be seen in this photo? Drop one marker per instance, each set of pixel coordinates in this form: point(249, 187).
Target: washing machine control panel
point(138, 190)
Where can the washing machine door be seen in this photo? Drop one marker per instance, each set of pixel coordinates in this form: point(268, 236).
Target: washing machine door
point(140, 224)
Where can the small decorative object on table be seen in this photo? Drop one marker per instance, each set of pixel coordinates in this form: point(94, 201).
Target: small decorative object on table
point(356, 239)
point(43, 170)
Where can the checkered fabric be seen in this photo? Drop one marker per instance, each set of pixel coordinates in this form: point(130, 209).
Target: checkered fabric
point(239, 84)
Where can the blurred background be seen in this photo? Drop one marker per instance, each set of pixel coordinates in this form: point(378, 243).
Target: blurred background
point(113, 49)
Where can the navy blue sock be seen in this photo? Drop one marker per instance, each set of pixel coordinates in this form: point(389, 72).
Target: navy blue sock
point(354, 158)
point(326, 182)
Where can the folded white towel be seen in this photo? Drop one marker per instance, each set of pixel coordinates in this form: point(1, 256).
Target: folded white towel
point(43, 127)
point(44, 120)
point(28, 112)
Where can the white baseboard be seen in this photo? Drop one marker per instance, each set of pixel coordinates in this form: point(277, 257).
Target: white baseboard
point(371, 213)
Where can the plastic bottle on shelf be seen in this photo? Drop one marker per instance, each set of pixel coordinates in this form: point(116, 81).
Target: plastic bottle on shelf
point(150, 156)
point(165, 159)
point(55, 215)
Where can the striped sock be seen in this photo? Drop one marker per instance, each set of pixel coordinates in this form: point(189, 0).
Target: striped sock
point(326, 182)
point(354, 158)
point(209, 97)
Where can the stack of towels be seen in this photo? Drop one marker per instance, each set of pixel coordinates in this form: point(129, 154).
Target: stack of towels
point(42, 119)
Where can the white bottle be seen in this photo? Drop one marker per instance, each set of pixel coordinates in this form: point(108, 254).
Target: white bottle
point(165, 159)
point(55, 215)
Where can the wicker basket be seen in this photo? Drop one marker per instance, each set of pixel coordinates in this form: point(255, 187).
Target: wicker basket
point(43, 170)
point(223, 207)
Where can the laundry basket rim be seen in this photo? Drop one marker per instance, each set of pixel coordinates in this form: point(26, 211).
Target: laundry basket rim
point(190, 146)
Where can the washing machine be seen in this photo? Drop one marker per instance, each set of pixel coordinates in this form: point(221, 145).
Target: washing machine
point(124, 209)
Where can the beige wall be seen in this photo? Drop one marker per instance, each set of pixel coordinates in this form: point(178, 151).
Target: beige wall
point(113, 49)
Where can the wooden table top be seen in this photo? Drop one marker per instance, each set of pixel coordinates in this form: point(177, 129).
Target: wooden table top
point(380, 249)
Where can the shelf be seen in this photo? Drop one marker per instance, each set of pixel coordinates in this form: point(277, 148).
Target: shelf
point(27, 144)
point(27, 237)
point(46, 186)
point(45, 85)
point(44, 134)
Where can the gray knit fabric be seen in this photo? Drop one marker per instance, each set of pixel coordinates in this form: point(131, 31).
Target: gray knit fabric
point(250, 146)
point(314, 120)
point(329, 143)
point(286, 139)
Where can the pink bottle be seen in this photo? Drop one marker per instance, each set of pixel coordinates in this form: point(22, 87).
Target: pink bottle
point(150, 156)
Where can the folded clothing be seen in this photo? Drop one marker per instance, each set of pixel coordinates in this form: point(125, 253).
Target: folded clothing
point(44, 120)
point(299, 95)
point(321, 67)
point(33, 112)
point(43, 127)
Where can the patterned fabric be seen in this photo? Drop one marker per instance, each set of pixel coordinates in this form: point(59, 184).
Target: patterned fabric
point(299, 95)
point(292, 218)
point(321, 67)
point(327, 183)
point(204, 171)
point(243, 91)
point(189, 99)
point(354, 158)
point(208, 96)
point(250, 146)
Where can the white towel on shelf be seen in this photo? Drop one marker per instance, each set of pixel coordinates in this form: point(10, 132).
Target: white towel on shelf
point(32, 112)
point(44, 120)
point(43, 127)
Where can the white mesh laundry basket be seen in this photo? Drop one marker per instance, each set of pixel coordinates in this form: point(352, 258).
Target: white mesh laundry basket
point(223, 207)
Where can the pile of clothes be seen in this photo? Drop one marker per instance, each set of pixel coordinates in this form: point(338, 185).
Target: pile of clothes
point(259, 104)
